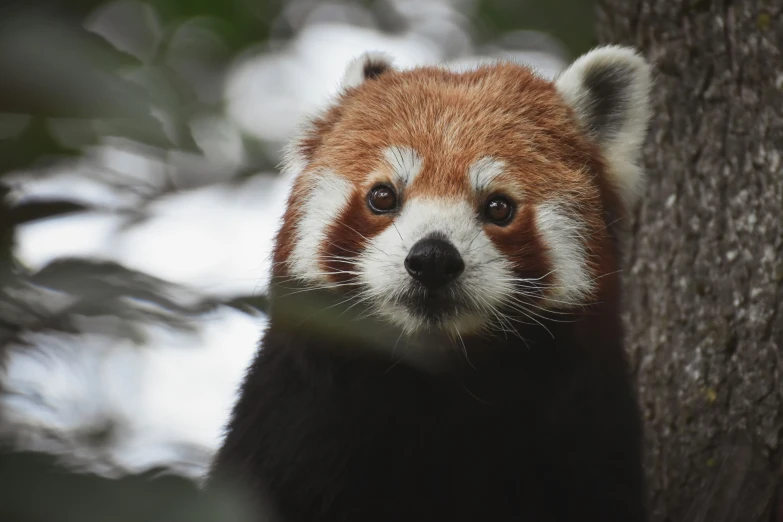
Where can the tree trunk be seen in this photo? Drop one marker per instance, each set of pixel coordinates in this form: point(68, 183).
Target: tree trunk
point(704, 269)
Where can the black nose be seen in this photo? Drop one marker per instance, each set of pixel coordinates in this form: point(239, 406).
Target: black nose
point(434, 262)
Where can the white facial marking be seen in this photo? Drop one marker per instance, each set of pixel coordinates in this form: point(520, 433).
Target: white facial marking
point(294, 162)
point(483, 173)
point(405, 162)
point(327, 197)
point(487, 276)
point(562, 236)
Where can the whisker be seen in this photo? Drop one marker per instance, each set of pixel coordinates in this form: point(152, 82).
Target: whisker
point(369, 242)
point(464, 348)
point(398, 233)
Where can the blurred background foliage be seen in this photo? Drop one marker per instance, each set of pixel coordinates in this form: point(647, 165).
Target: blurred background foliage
point(112, 114)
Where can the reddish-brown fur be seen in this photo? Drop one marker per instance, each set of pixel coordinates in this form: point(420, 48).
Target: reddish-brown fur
point(451, 120)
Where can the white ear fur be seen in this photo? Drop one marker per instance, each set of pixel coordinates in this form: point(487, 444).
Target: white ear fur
point(368, 66)
point(609, 89)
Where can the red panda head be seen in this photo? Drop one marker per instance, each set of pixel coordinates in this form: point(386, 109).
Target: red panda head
point(467, 201)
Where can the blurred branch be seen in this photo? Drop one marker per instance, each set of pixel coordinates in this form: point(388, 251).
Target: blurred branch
point(36, 210)
point(65, 289)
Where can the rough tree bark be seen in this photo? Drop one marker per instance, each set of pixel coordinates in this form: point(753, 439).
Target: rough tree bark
point(704, 270)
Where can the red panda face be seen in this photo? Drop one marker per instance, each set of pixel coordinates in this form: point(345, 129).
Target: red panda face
point(469, 201)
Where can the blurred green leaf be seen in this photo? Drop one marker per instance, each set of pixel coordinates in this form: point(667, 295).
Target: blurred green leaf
point(37, 489)
point(570, 21)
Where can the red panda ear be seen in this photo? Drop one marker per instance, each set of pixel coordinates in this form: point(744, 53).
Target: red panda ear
point(368, 66)
point(609, 89)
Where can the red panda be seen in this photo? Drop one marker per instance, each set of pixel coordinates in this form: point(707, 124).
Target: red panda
point(445, 339)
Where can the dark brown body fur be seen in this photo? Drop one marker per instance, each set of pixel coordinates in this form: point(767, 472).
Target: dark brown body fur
point(541, 430)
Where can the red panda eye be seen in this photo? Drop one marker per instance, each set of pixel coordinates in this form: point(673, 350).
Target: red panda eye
point(499, 210)
point(382, 199)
